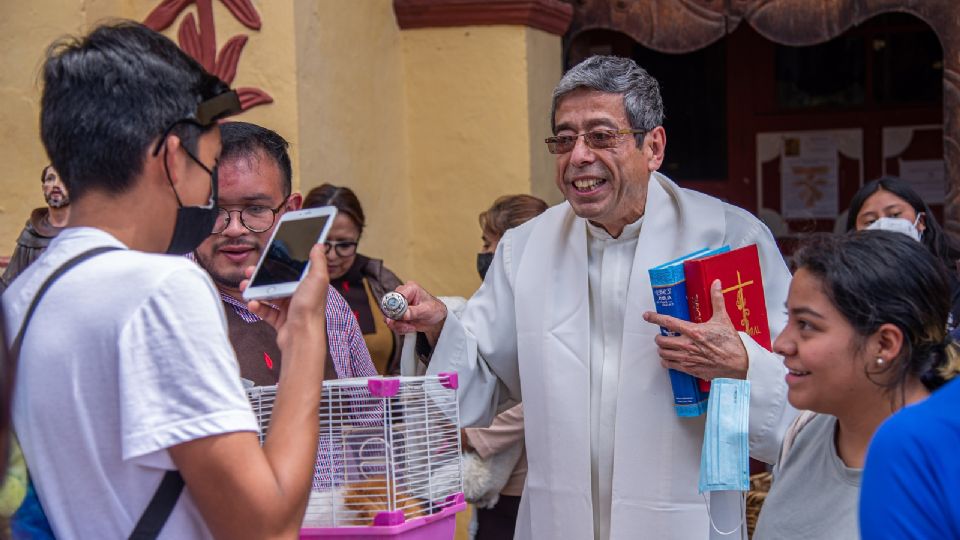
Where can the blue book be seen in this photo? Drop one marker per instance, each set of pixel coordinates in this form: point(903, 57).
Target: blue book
point(670, 298)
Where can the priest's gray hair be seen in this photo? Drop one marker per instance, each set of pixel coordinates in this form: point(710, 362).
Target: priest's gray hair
point(615, 75)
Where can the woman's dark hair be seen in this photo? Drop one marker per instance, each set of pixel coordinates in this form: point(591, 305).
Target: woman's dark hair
point(879, 277)
point(509, 211)
point(933, 237)
point(241, 140)
point(343, 198)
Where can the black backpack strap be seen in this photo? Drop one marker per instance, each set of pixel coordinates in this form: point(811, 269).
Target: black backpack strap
point(165, 498)
point(160, 507)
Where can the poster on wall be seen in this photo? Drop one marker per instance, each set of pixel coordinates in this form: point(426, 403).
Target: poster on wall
point(927, 177)
point(809, 176)
point(916, 152)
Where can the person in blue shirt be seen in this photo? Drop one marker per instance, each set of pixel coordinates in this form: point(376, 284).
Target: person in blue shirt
point(911, 482)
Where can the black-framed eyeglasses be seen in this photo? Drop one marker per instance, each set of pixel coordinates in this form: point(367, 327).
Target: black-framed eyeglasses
point(256, 218)
point(598, 139)
point(343, 249)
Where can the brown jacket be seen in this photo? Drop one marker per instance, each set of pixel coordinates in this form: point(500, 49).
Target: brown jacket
point(34, 239)
point(381, 282)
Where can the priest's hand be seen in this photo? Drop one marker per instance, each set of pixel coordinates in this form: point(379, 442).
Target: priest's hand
point(706, 350)
point(425, 313)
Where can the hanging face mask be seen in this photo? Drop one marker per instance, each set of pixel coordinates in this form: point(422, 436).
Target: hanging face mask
point(724, 461)
point(484, 260)
point(899, 225)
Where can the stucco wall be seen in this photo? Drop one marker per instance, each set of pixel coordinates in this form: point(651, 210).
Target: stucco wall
point(352, 123)
point(471, 139)
point(26, 28)
point(544, 68)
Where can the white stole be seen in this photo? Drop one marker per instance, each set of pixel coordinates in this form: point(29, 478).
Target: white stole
point(525, 333)
point(552, 313)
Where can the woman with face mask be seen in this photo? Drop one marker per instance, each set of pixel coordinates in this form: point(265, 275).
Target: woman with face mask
point(865, 337)
point(889, 203)
point(500, 445)
point(506, 213)
point(361, 280)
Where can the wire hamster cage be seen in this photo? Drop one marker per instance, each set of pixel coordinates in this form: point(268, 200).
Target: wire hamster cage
point(388, 462)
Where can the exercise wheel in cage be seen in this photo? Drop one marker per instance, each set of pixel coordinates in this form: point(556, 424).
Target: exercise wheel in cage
point(388, 461)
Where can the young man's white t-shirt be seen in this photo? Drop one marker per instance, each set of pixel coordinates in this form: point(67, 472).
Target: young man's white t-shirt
point(126, 356)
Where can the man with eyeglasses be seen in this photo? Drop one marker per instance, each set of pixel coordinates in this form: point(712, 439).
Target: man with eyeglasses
point(561, 321)
point(255, 190)
point(132, 419)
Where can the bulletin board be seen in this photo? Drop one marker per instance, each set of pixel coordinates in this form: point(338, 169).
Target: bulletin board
point(805, 175)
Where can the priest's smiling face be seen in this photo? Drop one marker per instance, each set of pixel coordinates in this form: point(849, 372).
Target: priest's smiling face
point(608, 186)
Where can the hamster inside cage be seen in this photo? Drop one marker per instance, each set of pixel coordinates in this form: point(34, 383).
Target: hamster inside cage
point(388, 460)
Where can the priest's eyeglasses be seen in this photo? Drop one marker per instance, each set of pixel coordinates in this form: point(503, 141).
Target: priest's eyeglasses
point(598, 139)
point(256, 218)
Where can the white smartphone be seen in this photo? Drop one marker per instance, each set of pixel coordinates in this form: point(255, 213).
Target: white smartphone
point(287, 257)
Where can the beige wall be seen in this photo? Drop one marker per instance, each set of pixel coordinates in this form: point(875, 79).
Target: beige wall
point(352, 123)
point(428, 126)
point(544, 68)
point(472, 138)
point(25, 30)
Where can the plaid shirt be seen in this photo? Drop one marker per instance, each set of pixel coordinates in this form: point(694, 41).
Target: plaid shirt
point(348, 351)
point(350, 358)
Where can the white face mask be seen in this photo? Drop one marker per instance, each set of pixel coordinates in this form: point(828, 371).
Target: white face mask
point(899, 225)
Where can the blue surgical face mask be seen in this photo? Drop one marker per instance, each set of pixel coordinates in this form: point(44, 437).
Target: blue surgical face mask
point(724, 461)
point(899, 225)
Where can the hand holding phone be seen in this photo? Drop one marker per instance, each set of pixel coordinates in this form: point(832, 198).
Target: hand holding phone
point(307, 306)
point(286, 259)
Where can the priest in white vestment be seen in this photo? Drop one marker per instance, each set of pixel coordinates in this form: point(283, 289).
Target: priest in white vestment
point(559, 323)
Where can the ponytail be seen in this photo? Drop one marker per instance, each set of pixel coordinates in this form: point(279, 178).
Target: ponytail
point(945, 364)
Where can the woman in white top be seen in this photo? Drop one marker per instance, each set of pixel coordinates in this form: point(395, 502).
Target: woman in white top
point(866, 336)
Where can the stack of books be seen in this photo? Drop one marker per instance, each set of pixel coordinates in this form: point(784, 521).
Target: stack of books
point(681, 289)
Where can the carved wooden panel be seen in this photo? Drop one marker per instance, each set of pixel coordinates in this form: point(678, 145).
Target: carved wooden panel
point(679, 26)
point(548, 15)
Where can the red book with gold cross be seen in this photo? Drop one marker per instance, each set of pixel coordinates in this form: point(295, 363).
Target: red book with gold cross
point(742, 282)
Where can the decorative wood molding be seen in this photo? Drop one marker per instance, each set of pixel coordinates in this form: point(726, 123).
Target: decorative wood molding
point(551, 16)
point(680, 26)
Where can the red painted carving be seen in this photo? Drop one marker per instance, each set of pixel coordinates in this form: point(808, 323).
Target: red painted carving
point(228, 58)
point(163, 15)
point(198, 38)
point(251, 97)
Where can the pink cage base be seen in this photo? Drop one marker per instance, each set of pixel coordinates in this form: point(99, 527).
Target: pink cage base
point(439, 526)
